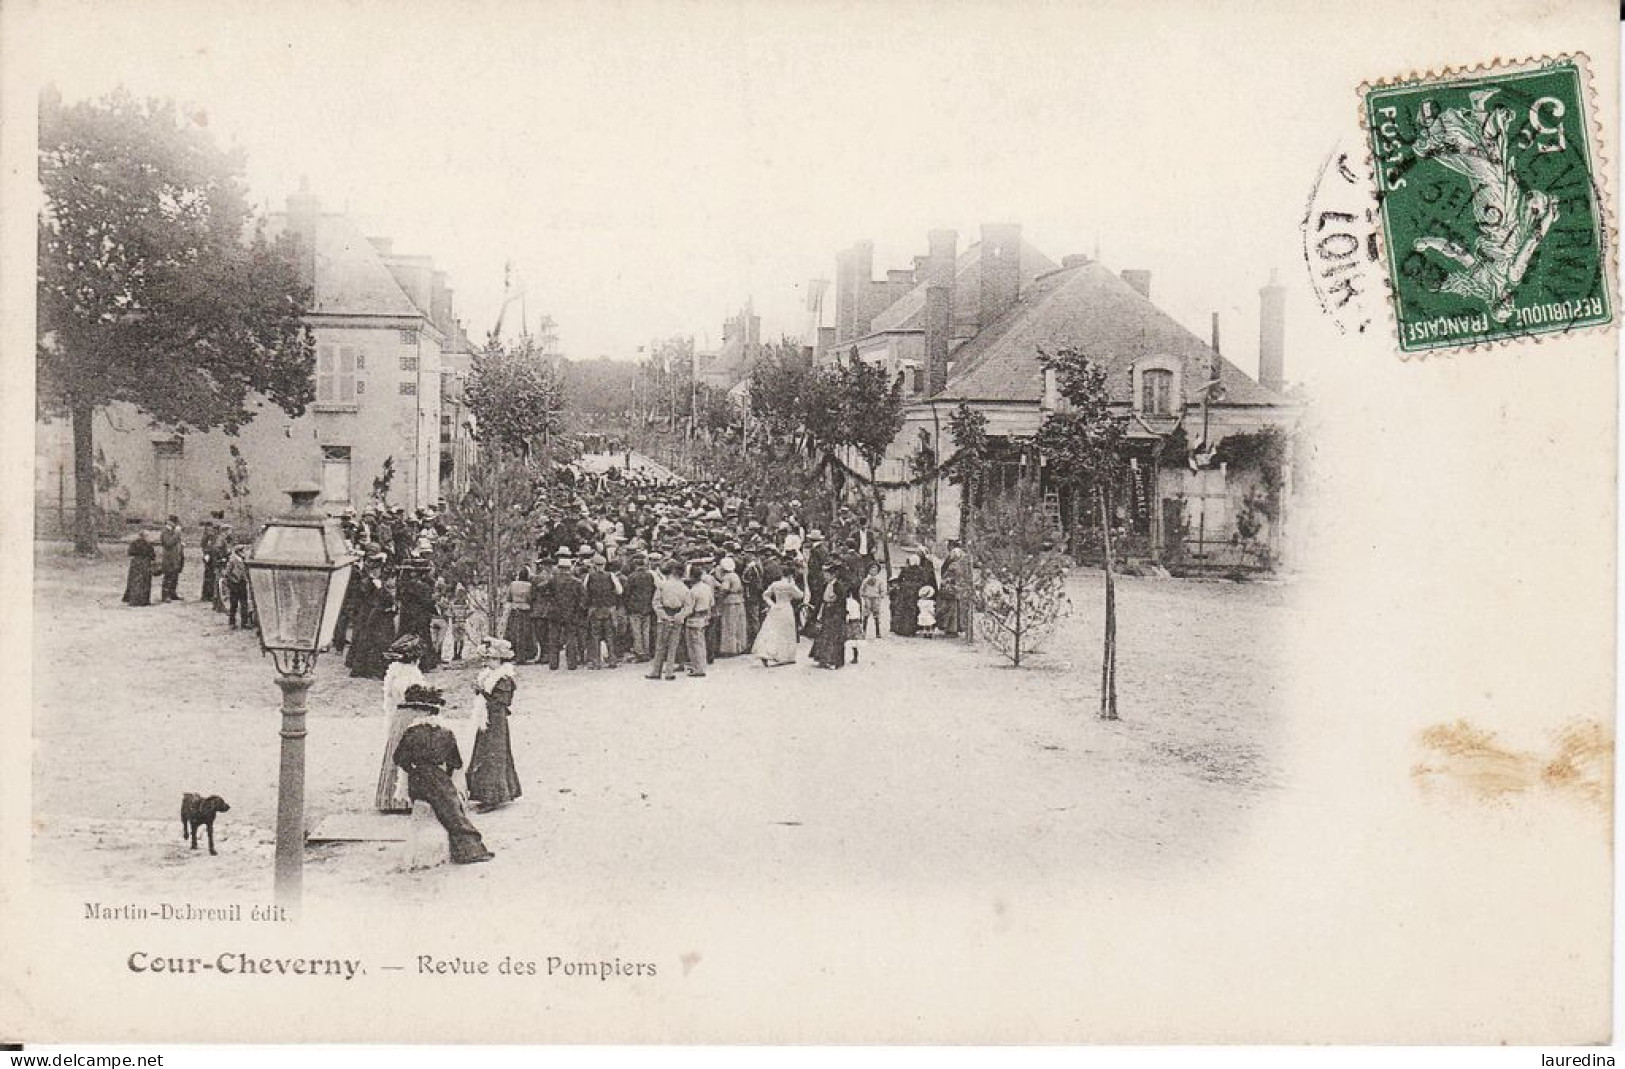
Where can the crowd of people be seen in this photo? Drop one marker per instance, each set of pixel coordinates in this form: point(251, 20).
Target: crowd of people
point(631, 570)
point(627, 569)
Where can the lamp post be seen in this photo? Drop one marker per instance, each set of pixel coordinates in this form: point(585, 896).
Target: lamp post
point(299, 569)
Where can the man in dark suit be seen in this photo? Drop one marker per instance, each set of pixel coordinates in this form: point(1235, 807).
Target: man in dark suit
point(639, 600)
point(173, 558)
point(567, 601)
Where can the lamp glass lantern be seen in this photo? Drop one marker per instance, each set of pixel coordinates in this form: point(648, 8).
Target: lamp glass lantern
point(299, 570)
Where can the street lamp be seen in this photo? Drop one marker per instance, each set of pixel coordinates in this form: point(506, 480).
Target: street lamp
point(299, 569)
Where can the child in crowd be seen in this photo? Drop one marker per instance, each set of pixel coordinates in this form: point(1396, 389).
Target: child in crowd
point(457, 613)
point(872, 594)
point(927, 607)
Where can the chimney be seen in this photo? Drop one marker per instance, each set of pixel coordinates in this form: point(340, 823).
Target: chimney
point(1075, 259)
point(385, 246)
point(1215, 334)
point(943, 257)
point(1000, 270)
point(304, 212)
point(845, 296)
point(1141, 281)
point(939, 332)
point(440, 301)
point(1272, 334)
point(863, 273)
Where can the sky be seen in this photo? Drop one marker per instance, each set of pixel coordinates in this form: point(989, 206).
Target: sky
point(646, 168)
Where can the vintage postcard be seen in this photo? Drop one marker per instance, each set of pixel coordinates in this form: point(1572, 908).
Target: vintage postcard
point(809, 523)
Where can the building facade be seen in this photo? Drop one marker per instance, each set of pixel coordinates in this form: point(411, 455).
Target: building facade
point(381, 323)
point(973, 335)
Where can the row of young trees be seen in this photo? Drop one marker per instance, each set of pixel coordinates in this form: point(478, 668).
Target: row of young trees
point(854, 406)
point(1083, 445)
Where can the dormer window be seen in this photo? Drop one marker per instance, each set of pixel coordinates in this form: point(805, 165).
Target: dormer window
point(1157, 392)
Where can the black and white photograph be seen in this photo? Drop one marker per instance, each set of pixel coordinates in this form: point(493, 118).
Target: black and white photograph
point(807, 522)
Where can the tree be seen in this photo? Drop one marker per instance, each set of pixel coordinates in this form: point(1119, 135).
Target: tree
point(670, 374)
point(514, 397)
point(1021, 577)
point(492, 528)
point(779, 385)
point(921, 463)
point(968, 428)
point(383, 481)
point(155, 288)
point(1084, 443)
point(870, 415)
point(715, 409)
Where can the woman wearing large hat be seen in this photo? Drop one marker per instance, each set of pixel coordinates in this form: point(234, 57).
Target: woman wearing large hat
point(492, 779)
point(428, 754)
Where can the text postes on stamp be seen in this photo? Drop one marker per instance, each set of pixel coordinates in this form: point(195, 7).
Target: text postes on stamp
point(1491, 217)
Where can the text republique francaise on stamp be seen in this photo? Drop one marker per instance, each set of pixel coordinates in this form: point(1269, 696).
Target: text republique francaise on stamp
point(1491, 217)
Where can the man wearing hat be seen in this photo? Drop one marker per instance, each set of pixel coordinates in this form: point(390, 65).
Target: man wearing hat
point(172, 558)
point(414, 595)
point(428, 754)
point(639, 599)
point(212, 545)
point(603, 594)
point(697, 624)
point(752, 579)
point(567, 603)
point(672, 604)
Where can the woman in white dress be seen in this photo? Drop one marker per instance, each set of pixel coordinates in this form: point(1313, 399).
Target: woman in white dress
point(403, 673)
point(776, 643)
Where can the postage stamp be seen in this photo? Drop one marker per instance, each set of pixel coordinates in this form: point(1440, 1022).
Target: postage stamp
point(1491, 214)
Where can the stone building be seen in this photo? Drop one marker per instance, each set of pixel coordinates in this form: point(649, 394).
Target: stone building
point(728, 365)
point(972, 336)
point(381, 320)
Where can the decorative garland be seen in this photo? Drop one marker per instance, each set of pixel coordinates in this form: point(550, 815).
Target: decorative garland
point(831, 460)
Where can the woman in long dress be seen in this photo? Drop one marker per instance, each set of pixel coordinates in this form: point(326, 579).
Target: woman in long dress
point(492, 778)
point(138, 584)
point(428, 754)
point(776, 643)
point(731, 603)
point(520, 632)
point(905, 593)
point(376, 633)
point(405, 672)
point(829, 648)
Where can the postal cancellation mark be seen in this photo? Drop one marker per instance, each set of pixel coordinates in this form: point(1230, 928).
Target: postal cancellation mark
point(1491, 218)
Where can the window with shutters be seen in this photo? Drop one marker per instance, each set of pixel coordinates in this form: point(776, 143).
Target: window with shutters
point(408, 389)
point(409, 363)
point(409, 337)
point(336, 367)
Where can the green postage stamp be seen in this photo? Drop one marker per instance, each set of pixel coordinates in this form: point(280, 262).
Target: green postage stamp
point(1492, 212)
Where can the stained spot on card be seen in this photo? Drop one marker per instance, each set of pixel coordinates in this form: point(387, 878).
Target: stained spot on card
point(689, 960)
point(1578, 763)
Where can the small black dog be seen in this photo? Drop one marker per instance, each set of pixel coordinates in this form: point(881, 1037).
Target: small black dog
point(199, 812)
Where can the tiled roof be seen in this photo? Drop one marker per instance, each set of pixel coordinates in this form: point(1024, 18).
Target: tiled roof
point(908, 311)
point(1089, 308)
point(351, 278)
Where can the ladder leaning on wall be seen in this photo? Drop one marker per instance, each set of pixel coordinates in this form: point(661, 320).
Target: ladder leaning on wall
point(1052, 510)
